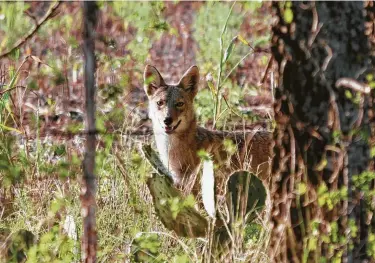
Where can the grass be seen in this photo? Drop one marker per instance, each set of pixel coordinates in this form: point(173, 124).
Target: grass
point(40, 175)
point(44, 200)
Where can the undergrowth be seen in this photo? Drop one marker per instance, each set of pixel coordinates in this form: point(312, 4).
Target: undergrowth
point(40, 174)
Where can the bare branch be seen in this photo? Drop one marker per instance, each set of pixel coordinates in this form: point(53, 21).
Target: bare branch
point(353, 84)
point(88, 190)
point(38, 24)
point(328, 58)
point(269, 66)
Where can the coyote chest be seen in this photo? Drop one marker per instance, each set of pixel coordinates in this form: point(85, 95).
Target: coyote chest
point(178, 138)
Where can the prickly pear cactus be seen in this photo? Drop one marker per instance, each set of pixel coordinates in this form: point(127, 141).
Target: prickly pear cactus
point(246, 195)
point(175, 211)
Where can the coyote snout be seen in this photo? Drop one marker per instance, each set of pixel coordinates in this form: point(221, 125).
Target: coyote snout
point(171, 106)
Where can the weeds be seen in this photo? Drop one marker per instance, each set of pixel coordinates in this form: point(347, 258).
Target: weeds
point(39, 172)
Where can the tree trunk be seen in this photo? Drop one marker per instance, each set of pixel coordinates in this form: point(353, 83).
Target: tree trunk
point(88, 190)
point(322, 140)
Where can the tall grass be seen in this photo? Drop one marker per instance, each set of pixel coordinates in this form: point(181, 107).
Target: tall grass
point(40, 181)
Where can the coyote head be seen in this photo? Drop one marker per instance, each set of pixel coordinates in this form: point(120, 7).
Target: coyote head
point(171, 106)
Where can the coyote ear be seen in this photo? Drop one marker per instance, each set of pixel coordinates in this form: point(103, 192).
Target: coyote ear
point(190, 79)
point(152, 80)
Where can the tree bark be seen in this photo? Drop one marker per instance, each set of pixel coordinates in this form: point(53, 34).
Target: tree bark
point(322, 134)
point(88, 190)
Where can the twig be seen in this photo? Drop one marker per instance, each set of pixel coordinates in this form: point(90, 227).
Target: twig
point(217, 102)
point(332, 100)
point(235, 66)
point(328, 58)
point(10, 89)
point(292, 151)
point(315, 27)
point(27, 12)
point(360, 113)
point(269, 66)
point(20, 42)
point(17, 87)
point(353, 84)
point(259, 49)
point(231, 108)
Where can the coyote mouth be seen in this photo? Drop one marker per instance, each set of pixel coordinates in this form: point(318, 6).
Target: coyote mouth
point(170, 129)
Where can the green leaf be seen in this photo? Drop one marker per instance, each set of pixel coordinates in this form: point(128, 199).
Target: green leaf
point(302, 188)
point(212, 87)
point(312, 245)
point(240, 38)
point(229, 50)
point(321, 165)
point(288, 15)
point(56, 205)
point(229, 146)
point(372, 152)
point(205, 156)
point(369, 77)
point(181, 259)
point(189, 201)
point(9, 128)
point(348, 94)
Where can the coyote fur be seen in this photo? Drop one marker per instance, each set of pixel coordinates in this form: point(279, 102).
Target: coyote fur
point(179, 138)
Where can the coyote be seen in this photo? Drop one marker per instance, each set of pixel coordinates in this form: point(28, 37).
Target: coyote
point(179, 138)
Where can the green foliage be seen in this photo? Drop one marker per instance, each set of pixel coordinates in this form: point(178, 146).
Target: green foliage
point(42, 174)
point(181, 259)
point(176, 205)
point(370, 80)
point(363, 183)
point(287, 11)
point(301, 188)
point(371, 245)
point(252, 233)
point(288, 15)
point(204, 155)
point(146, 247)
point(53, 247)
point(13, 23)
point(208, 26)
point(204, 105)
point(230, 147)
point(332, 238)
point(331, 198)
point(147, 18)
point(10, 169)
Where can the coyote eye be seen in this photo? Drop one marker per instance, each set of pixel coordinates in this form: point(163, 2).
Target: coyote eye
point(180, 104)
point(160, 103)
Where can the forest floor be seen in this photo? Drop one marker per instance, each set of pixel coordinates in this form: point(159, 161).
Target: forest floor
point(43, 117)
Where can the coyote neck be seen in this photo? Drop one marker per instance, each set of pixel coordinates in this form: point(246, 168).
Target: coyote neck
point(178, 151)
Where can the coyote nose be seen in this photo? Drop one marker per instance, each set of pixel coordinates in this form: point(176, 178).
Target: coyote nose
point(168, 121)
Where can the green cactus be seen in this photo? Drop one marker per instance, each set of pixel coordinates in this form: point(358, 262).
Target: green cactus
point(240, 185)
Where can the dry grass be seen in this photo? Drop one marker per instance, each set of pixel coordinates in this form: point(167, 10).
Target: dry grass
point(45, 199)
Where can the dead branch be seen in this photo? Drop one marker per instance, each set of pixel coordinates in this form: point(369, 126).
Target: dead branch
point(269, 66)
point(88, 190)
point(37, 26)
point(328, 58)
point(353, 84)
point(17, 87)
